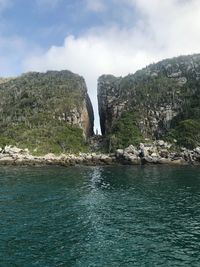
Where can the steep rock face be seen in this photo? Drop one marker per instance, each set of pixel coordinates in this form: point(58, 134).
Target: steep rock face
point(44, 102)
point(110, 102)
point(158, 97)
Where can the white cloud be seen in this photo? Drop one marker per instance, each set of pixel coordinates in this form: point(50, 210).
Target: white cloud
point(95, 5)
point(162, 29)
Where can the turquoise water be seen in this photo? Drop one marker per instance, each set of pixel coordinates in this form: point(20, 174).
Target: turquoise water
point(100, 216)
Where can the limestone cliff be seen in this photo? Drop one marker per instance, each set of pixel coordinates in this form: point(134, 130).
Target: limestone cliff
point(50, 110)
point(160, 101)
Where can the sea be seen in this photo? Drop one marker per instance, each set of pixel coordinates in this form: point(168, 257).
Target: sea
point(100, 216)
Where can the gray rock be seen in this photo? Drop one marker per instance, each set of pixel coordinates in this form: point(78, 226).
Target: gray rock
point(131, 150)
point(197, 150)
point(119, 153)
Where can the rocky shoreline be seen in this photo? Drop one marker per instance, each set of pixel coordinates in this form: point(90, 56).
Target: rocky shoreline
point(158, 152)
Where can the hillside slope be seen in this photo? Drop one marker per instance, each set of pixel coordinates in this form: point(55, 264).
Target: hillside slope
point(159, 101)
point(46, 112)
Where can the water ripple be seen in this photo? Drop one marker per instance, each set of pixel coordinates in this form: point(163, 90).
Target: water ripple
point(100, 216)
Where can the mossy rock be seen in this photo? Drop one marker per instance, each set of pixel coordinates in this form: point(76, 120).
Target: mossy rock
point(187, 133)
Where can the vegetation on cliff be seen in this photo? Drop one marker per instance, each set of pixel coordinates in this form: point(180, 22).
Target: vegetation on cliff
point(164, 98)
point(45, 112)
point(124, 132)
point(186, 133)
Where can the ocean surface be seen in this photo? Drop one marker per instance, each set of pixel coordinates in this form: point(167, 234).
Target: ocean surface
point(100, 216)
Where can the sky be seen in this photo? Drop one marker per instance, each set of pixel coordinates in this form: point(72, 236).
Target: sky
point(95, 37)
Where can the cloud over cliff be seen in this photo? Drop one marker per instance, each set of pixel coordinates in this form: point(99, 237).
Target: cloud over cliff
point(154, 30)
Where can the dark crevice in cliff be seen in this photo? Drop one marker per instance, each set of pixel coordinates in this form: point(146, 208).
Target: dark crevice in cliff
point(91, 115)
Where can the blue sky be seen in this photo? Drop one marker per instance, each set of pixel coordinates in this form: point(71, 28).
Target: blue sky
point(93, 37)
point(48, 22)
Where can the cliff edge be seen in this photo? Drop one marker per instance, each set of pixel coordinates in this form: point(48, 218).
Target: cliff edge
point(161, 101)
point(45, 112)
